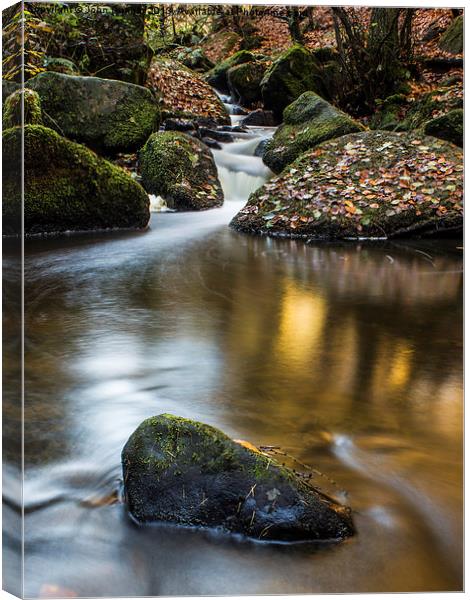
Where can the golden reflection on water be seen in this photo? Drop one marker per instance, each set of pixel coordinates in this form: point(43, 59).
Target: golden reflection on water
point(302, 318)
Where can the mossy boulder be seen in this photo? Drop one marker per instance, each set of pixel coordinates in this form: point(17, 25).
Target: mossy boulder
point(218, 76)
point(390, 113)
point(67, 186)
point(373, 184)
point(183, 94)
point(106, 115)
point(294, 72)
point(307, 122)
point(181, 170)
point(452, 38)
point(447, 127)
point(13, 105)
point(8, 87)
point(61, 65)
point(193, 58)
point(244, 82)
point(189, 473)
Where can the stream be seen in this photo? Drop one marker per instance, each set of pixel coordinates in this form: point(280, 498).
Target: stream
point(347, 355)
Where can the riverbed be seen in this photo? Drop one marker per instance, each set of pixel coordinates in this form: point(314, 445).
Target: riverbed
point(346, 355)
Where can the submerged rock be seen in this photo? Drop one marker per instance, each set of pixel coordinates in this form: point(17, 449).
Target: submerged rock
point(183, 93)
point(67, 186)
point(16, 112)
point(308, 121)
point(244, 82)
point(181, 170)
point(189, 473)
point(370, 184)
point(295, 71)
point(106, 115)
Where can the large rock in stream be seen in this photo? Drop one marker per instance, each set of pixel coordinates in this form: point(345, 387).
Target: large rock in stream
point(67, 186)
point(106, 115)
point(307, 122)
point(294, 72)
point(180, 169)
point(189, 473)
point(373, 184)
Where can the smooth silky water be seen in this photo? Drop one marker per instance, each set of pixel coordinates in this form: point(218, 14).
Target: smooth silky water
point(347, 355)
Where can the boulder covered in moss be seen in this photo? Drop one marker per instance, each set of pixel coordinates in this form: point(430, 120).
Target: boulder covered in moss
point(22, 100)
point(181, 170)
point(374, 184)
point(193, 58)
point(67, 186)
point(307, 122)
point(184, 94)
point(189, 473)
point(244, 82)
point(452, 38)
point(106, 115)
point(294, 72)
point(447, 127)
point(218, 76)
point(61, 65)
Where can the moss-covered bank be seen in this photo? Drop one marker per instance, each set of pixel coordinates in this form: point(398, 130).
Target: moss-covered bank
point(186, 472)
point(67, 186)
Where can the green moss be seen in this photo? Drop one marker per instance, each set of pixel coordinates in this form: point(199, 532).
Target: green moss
point(217, 77)
point(67, 186)
point(293, 73)
point(61, 65)
point(109, 116)
point(181, 170)
point(12, 109)
point(308, 121)
point(452, 38)
point(447, 127)
point(244, 82)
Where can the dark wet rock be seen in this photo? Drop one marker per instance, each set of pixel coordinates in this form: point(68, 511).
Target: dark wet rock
point(106, 115)
point(178, 125)
point(447, 127)
point(183, 93)
point(452, 39)
point(261, 147)
point(260, 118)
point(211, 143)
point(293, 73)
point(234, 128)
point(218, 78)
point(308, 121)
point(369, 184)
point(325, 54)
point(220, 136)
point(244, 82)
point(67, 186)
point(8, 87)
point(181, 170)
point(23, 106)
point(189, 473)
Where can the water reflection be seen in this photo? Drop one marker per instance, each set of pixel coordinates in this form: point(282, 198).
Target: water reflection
point(348, 356)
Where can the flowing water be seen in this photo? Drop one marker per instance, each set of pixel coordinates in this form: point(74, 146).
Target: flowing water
point(348, 356)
